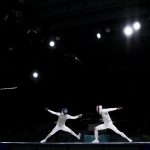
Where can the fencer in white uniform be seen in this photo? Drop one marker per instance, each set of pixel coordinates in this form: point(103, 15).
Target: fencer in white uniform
point(108, 124)
point(60, 125)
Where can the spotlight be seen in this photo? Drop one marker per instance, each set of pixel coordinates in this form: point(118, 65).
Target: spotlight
point(136, 26)
point(128, 31)
point(35, 75)
point(51, 43)
point(98, 35)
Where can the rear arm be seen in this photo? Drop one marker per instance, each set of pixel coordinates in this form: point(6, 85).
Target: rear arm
point(52, 112)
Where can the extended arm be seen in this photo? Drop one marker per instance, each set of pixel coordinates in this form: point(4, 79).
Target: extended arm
point(74, 117)
point(111, 109)
point(52, 112)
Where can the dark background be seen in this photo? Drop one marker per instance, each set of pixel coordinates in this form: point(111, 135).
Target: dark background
point(80, 72)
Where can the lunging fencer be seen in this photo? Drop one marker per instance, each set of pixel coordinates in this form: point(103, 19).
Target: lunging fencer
point(108, 124)
point(60, 125)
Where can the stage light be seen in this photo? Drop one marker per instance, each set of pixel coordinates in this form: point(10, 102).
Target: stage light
point(128, 31)
point(98, 35)
point(51, 43)
point(35, 75)
point(136, 26)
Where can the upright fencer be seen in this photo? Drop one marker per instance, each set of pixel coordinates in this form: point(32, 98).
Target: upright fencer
point(108, 124)
point(60, 125)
